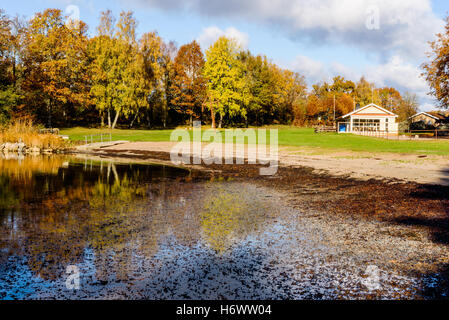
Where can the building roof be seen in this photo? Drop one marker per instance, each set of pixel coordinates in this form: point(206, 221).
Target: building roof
point(431, 114)
point(367, 106)
point(438, 115)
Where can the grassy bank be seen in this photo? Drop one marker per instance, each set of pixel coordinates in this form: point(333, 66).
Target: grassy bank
point(78, 134)
point(24, 131)
point(292, 136)
point(303, 137)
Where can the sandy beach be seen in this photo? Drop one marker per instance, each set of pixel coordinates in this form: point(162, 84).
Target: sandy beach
point(421, 169)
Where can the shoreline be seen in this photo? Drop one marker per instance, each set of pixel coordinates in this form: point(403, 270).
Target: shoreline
point(420, 169)
point(374, 197)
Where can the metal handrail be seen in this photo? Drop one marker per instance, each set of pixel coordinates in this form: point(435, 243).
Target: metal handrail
point(86, 138)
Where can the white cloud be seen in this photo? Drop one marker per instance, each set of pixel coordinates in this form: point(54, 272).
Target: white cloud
point(314, 71)
point(401, 41)
point(337, 68)
point(212, 33)
point(400, 74)
point(396, 73)
point(427, 106)
point(404, 26)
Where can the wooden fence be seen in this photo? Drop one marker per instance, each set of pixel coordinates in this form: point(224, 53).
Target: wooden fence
point(325, 129)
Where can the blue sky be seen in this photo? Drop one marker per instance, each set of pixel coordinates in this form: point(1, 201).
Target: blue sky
point(384, 40)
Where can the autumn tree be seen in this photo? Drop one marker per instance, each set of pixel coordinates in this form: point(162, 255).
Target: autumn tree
point(256, 79)
point(5, 79)
point(313, 107)
point(344, 104)
point(5, 34)
point(12, 31)
point(407, 107)
point(292, 96)
point(272, 93)
point(366, 93)
point(130, 85)
point(331, 99)
point(151, 55)
point(165, 91)
point(225, 79)
point(120, 82)
point(390, 98)
point(104, 68)
point(189, 85)
point(55, 66)
point(436, 70)
point(341, 85)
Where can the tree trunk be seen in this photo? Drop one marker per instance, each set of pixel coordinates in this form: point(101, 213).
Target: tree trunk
point(221, 121)
point(201, 114)
point(212, 115)
point(109, 118)
point(14, 79)
point(49, 113)
point(148, 120)
point(102, 119)
point(134, 119)
point(116, 118)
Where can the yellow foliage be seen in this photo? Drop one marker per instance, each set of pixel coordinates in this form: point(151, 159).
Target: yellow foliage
point(29, 166)
point(24, 131)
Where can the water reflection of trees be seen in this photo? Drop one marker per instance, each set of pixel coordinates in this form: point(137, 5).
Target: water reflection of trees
point(228, 216)
point(119, 212)
point(52, 218)
point(17, 177)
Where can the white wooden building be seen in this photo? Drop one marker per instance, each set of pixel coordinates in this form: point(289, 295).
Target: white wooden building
point(368, 119)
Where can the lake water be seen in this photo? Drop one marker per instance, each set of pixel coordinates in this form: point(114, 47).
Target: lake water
point(137, 231)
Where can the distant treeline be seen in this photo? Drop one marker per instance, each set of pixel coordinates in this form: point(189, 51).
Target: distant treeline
point(54, 73)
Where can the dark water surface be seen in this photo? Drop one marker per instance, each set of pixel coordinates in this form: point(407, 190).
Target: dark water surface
point(155, 232)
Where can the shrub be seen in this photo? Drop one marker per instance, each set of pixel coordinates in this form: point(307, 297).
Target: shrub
point(24, 131)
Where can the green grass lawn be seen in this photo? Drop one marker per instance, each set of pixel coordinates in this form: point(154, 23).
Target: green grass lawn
point(78, 134)
point(308, 138)
point(291, 136)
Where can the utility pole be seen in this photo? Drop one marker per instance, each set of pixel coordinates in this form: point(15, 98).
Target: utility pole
point(334, 111)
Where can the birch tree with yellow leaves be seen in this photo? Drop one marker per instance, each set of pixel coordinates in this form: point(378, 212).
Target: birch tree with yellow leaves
point(225, 79)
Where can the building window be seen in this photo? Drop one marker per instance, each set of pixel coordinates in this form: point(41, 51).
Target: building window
point(366, 125)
